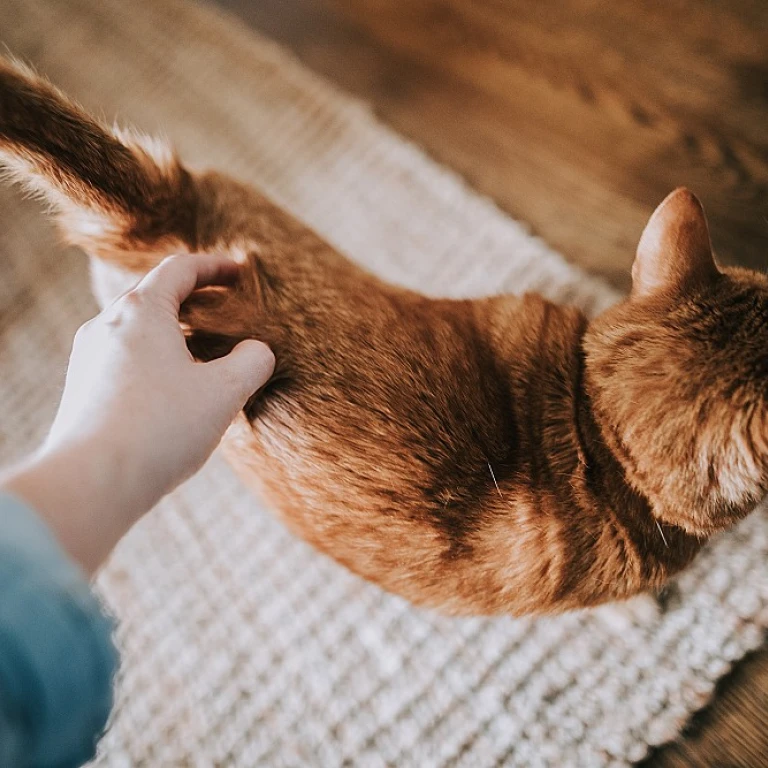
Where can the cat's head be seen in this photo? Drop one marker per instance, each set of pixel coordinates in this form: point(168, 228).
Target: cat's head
point(678, 375)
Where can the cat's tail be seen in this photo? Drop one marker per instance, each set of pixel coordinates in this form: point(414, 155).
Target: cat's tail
point(120, 196)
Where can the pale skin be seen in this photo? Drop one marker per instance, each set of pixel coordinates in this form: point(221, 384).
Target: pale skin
point(138, 415)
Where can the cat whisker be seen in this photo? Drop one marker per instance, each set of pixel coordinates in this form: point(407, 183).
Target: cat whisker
point(663, 537)
point(494, 481)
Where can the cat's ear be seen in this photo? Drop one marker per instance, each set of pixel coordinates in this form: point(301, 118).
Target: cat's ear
point(675, 252)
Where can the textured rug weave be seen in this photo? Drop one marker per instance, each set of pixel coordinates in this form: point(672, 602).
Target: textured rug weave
point(241, 645)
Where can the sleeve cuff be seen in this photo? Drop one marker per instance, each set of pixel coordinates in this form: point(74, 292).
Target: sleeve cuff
point(57, 657)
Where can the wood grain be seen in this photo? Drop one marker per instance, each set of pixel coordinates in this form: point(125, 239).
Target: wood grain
point(732, 731)
point(577, 117)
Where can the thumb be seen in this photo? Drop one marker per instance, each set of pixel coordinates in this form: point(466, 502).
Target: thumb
point(244, 370)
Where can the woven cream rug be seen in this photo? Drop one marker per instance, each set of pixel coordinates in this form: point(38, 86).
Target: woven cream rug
point(242, 646)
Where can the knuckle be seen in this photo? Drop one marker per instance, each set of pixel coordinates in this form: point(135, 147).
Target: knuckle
point(127, 306)
point(132, 298)
point(123, 309)
point(171, 272)
point(83, 330)
point(173, 263)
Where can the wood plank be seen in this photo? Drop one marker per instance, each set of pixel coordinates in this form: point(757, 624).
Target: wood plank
point(594, 124)
point(539, 106)
point(731, 732)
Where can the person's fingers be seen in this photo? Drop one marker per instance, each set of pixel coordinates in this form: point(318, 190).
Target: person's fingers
point(177, 276)
point(243, 371)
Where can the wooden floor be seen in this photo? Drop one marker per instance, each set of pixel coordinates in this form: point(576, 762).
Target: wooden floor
point(577, 117)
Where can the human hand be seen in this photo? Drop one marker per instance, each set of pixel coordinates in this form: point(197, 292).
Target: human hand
point(138, 414)
point(134, 390)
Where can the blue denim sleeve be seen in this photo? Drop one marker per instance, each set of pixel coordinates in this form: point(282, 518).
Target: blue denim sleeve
point(57, 658)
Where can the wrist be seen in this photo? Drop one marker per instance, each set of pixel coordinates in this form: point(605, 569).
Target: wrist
point(76, 491)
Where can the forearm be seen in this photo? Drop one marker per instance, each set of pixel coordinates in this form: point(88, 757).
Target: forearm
point(78, 493)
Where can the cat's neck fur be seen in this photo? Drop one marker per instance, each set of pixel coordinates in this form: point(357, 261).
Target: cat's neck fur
point(608, 530)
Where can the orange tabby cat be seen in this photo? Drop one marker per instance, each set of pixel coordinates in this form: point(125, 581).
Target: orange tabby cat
point(489, 456)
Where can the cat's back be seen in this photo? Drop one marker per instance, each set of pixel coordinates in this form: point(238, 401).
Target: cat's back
point(412, 438)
